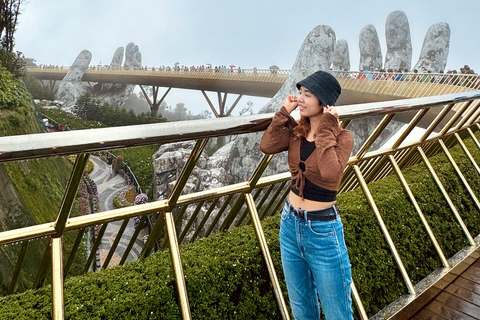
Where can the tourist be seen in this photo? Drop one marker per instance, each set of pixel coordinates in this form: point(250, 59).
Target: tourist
point(45, 124)
point(109, 164)
point(399, 75)
point(314, 256)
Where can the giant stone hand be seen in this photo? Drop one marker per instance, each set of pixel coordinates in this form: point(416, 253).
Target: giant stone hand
point(71, 88)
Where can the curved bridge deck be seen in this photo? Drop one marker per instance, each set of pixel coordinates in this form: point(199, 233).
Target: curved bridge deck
point(357, 87)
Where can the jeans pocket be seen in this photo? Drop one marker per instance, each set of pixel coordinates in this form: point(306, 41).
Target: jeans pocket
point(321, 228)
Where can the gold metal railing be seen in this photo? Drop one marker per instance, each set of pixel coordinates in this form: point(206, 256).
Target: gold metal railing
point(241, 203)
point(407, 84)
point(260, 75)
point(411, 85)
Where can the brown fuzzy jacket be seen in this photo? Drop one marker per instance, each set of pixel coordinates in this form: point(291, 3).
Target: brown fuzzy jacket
point(324, 167)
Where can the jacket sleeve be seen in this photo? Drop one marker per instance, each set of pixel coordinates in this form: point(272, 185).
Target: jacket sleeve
point(333, 147)
point(277, 136)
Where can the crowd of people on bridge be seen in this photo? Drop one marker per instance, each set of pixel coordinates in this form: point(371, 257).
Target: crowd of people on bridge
point(465, 76)
point(451, 77)
point(177, 67)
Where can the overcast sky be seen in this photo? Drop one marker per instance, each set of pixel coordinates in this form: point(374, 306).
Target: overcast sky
point(245, 33)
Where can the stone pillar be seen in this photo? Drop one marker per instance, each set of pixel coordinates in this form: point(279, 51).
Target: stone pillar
point(399, 42)
point(341, 56)
point(370, 50)
point(435, 48)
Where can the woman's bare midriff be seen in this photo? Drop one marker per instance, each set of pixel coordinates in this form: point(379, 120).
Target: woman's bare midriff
point(306, 204)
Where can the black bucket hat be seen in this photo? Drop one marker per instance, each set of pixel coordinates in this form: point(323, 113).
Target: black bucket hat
point(324, 86)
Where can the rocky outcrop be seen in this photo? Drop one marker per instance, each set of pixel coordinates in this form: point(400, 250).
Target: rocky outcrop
point(113, 93)
point(435, 48)
point(399, 43)
point(341, 56)
point(370, 50)
point(230, 164)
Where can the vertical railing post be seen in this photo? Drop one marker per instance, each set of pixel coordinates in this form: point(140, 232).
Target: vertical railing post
point(358, 302)
point(446, 196)
point(459, 172)
point(467, 152)
point(266, 254)
point(419, 211)
point(71, 192)
point(18, 266)
point(177, 265)
point(384, 229)
point(57, 279)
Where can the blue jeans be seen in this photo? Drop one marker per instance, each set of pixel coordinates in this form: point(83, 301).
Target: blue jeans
point(315, 262)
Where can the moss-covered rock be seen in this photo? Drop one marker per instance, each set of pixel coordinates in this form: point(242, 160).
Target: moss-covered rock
point(31, 191)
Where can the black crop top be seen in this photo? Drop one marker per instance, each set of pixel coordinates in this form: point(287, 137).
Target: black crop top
point(312, 191)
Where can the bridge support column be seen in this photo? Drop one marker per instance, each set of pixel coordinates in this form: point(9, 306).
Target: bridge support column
point(51, 84)
point(155, 104)
point(221, 141)
point(221, 104)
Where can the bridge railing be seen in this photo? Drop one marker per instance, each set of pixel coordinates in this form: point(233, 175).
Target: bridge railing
point(407, 84)
point(247, 201)
point(269, 75)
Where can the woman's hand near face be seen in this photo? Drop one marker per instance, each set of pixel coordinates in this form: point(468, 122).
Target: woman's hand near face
point(332, 110)
point(291, 102)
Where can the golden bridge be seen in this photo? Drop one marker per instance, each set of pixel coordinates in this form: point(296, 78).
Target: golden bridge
point(444, 107)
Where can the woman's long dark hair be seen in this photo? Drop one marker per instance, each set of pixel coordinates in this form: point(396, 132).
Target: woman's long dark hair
point(303, 127)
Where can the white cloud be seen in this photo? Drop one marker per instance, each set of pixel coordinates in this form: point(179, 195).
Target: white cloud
point(245, 33)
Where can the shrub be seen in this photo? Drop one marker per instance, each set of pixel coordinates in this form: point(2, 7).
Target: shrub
point(125, 198)
point(13, 93)
point(118, 163)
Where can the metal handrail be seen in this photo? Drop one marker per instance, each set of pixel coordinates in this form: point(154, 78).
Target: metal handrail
point(77, 141)
point(244, 74)
point(408, 84)
point(363, 167)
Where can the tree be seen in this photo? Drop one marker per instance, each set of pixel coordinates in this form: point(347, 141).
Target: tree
point(13, 61)
point(180, 112)
point(9, 11)
point(90, 108)
point(37, 89)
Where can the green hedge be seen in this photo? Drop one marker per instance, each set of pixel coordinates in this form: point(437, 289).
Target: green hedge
point(226, 277)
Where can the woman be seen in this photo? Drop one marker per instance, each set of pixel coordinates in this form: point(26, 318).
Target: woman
point(314, 255)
